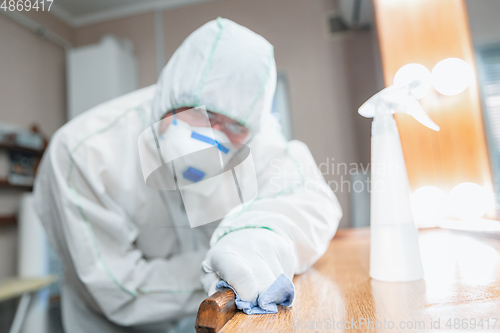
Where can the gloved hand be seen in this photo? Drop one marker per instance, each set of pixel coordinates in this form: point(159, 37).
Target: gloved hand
point(249, 260)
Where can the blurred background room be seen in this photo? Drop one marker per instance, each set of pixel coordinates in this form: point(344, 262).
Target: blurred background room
point(332, 55)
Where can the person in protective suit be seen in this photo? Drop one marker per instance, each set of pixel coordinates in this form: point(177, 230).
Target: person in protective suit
point(131, 261)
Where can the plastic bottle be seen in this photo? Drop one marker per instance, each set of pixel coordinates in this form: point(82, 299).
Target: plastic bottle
point(394, 248)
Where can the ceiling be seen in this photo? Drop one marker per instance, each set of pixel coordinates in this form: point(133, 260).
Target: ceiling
point(80, 13)
point(78, 8)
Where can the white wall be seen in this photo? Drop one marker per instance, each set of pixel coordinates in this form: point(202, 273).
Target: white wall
point(32, 90)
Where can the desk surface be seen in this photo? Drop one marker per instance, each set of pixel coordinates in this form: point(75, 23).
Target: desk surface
point(15, 287)
point(462, 280)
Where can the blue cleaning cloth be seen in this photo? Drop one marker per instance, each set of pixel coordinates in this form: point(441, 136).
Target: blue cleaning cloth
point(281, 292)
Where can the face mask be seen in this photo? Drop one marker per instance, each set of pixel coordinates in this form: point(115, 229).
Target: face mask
point(199, 153)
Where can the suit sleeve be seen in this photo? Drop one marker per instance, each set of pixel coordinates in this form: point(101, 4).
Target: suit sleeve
point(293, 201)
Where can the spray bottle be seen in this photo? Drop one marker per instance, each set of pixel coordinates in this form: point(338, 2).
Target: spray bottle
point(394, 249)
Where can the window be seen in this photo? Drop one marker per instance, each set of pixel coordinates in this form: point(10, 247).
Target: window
point(489, 78)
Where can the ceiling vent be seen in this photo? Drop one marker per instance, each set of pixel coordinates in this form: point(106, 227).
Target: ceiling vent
point(352, 15)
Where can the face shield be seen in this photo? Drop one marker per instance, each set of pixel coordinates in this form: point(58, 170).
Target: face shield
point(191, 151)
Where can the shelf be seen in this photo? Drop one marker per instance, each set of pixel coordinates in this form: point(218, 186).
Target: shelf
point(4, 183)
point(8, 220)
point(23, 149)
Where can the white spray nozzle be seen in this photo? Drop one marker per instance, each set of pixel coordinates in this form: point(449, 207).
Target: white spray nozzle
point(397, 98)
point(416, 111)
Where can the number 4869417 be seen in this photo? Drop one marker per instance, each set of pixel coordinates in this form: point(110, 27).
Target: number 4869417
point(26, 5)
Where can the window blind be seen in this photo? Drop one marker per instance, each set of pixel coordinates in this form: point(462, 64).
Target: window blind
point(489, 70)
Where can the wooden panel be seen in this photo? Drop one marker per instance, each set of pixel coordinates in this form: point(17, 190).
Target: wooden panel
point(462, 280)
point(426, 32)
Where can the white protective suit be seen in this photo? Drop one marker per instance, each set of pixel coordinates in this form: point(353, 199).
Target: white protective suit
point(126, 270)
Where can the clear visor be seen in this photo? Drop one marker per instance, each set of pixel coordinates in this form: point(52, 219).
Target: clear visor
point(166, 151)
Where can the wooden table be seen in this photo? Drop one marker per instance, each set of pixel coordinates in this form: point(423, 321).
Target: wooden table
point(461, 287)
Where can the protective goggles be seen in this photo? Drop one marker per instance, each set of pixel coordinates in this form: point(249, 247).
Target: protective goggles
point(199, 117)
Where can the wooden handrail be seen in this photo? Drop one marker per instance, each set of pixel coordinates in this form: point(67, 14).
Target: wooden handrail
point(215, 311)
